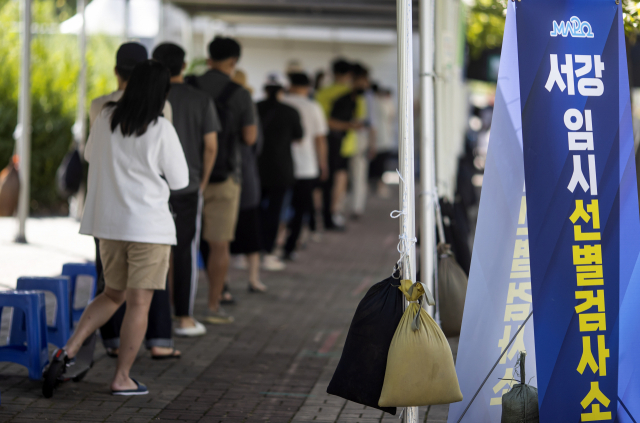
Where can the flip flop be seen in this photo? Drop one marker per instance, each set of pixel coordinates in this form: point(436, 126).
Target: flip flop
point(169, 356)
point(140, 390)
point(111, 353)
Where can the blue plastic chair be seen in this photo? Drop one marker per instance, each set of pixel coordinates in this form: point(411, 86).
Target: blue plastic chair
point(73, 270)
point(34, 355)
point(59, 333)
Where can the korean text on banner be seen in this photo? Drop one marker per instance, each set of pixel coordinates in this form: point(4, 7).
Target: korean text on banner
point(582, 210)
point(499, 290)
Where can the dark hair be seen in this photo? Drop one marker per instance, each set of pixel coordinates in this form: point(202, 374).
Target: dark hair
point(222, 48)
point(143, 99)
point(124, 72)
point(360, 71)
point(299, 79)
point(341, 67)
point(272, 91)
point(171, 55)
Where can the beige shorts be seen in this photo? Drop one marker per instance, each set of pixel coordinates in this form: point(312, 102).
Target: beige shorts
point(134, 265)
point(220, 211)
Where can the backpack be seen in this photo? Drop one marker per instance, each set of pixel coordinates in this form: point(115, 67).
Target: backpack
point(226, 158)
point(70, 174)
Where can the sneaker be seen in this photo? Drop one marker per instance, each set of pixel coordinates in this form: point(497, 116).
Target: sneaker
point(272, 263)
point(240, 262)
point(219, 317)
point(193, 331)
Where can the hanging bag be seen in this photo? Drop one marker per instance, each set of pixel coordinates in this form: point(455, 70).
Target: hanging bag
point(70, 174)
point(452, 284)
point(361, 370)
point(452, 290)
point(520, 404)
point(9, 188)
point(420, 369)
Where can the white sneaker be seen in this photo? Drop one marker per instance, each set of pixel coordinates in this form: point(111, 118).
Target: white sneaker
point(272, 263)
point(240, 262)
point(338, 219)
point(197, 330)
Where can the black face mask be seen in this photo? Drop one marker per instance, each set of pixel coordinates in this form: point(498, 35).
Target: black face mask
point(359, 91)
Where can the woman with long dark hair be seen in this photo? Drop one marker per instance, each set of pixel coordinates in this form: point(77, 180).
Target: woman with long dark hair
point(135, 158)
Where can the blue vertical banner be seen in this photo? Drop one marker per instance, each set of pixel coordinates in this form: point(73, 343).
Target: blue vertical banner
point(499, 289)
point(582, 208)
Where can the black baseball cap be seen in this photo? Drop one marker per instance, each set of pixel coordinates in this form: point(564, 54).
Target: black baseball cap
point(130, 54)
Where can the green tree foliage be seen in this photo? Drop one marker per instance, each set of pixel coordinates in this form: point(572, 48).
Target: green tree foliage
point(55, 68)
point(486, 24)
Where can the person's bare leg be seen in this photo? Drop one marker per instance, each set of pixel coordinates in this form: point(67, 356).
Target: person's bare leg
point(95, 315)
point(134, 326)
point(170, 278)
point(339, 190)
point(217, 267)
point(254, 271)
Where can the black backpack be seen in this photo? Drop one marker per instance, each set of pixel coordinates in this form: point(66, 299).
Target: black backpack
point(226, 158)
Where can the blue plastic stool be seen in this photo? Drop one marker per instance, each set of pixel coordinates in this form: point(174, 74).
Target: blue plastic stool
point(59, 333)
point(34, 355)
point(73, 270)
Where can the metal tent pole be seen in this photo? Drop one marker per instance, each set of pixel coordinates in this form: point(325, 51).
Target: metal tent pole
point(79, 128)
point(406, 150)
point(427, 145)
point(23, 130)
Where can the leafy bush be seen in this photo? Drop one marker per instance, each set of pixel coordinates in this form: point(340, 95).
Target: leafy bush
point(55, 68)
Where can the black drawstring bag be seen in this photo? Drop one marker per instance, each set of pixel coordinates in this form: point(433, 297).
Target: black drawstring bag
point(360, 374)
point(520, 404)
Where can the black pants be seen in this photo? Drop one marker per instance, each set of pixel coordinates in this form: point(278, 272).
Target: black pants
point(270, 209)
point(302, 204)
point(159, 326)
point(186, 210)
point(336, 163)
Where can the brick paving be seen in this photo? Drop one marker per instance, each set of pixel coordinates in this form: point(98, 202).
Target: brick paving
point(272, 365)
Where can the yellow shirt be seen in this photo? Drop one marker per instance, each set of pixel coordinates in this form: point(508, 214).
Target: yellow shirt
point(326, 97)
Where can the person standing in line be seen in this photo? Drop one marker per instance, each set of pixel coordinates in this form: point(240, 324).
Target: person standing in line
point(309, 156)
point(338, 167)
point(281, 128)
point(248, 243)
point(135, 160)
point(196, 122)
point(385, 143)
point(365, 144)
point(158, 336)
point(347, 118)
point(222, 194)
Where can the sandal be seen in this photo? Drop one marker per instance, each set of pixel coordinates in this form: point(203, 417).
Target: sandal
point(169, 356)
point(140, 390)
point(227, 298)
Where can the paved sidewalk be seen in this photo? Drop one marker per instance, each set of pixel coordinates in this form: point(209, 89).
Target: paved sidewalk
point(271, 365)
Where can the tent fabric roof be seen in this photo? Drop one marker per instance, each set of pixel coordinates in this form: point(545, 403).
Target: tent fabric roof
point(370, 13)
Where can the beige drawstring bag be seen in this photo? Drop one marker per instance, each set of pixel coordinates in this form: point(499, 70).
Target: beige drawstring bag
point(420, 369)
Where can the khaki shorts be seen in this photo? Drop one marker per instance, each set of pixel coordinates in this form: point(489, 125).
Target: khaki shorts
point(220, 212)
point(134, 265)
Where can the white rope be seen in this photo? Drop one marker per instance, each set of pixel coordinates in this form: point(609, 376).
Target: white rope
point(406, 243)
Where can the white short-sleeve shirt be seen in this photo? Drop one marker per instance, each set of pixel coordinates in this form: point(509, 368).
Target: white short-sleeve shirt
point(314, 124)
point(130, 179)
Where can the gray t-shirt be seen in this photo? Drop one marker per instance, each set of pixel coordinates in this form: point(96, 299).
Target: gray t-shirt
point(240, 105)
point(193, 116)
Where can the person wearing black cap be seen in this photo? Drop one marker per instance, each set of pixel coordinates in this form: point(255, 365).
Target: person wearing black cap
point(127, 57)
point(158, 336)
point(309, 156)
point(196, 122)
point(222, 194)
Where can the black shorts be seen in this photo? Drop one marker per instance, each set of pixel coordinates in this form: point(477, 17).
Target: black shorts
point(336, 160)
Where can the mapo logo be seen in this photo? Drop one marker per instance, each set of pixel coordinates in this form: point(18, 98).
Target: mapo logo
point(574, 27)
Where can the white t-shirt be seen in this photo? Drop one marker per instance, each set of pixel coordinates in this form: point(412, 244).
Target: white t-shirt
point(129, 182)
point(314, 123)
point(98, 104)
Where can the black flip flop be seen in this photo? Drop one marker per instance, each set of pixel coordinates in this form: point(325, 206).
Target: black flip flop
point(169, 356)
point(140, 390)
point(112, 354)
